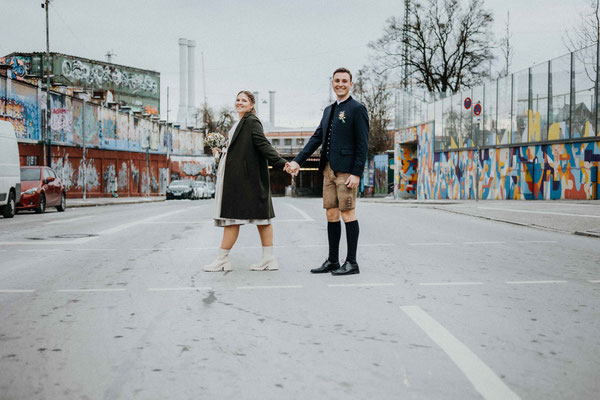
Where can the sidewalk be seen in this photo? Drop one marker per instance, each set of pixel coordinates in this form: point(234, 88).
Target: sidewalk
point(568, 216)
point(109, 201)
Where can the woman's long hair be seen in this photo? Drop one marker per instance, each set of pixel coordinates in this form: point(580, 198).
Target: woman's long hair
point(252, 100)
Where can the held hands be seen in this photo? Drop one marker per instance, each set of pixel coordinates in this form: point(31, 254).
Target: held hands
point(352, 181)
point(292, 168)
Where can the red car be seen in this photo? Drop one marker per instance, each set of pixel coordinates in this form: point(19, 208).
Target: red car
point(41, 188)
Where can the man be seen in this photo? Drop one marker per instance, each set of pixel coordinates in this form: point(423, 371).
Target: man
point(344, 134)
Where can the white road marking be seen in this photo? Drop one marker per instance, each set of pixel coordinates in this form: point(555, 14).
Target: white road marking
point(305, 215)
point(66, 221)
point(17, 290)
point(449, 283)
point(89, 290)
point(430, 244)
point(487, 383)
point(313, 245)
point(39, 250)
point(537, 241)
point(119, 228)
point(532, 282)
point(597, 281)
point(375, 244)
point(540, 212)
point(491, 242)
point(360, 284)
point(175, 289)
point(270, 287)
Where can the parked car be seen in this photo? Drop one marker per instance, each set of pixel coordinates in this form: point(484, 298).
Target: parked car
point(10, 181)
point(180, 190)
point(211, 188)
point(41, 188)
point(201, 190)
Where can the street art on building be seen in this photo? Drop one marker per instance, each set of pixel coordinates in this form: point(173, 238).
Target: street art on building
point(19, 106)
point(19, 66)
point(380, 163)
point(406, 160)
point(544, 171)
point(72, 120)
point(192, 167)
point(85, 73)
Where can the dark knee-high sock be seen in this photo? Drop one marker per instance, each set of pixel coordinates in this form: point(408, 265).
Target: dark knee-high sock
point(334, 233)
point(352, 240)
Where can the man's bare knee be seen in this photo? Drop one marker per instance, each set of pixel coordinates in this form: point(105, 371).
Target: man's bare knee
point(348, 216)
point(333, 214)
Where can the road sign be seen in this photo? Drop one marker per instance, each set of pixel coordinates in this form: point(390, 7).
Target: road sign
point(468, 103)
point(477, 109)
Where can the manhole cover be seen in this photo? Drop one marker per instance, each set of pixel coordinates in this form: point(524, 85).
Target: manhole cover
point(73, 236)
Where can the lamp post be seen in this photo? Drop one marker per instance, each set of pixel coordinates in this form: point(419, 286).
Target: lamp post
point(46, 139)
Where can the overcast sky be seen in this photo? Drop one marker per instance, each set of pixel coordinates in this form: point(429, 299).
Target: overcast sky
point(289, 46)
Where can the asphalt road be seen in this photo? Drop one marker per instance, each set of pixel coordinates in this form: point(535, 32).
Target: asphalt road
point(111, 303)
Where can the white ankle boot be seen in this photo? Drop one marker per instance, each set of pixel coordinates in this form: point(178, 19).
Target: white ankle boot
point(268, 261)
point(221, 263)
point(269, 264)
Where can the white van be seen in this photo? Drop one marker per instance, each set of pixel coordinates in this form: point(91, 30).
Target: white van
point(10, 170)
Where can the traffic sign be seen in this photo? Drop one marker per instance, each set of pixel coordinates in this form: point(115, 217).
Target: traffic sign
point(477, 109)
point(468, 103)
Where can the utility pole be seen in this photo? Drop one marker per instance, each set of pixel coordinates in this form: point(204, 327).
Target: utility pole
point(169, 139)
point(46, 139)
point(405, 61)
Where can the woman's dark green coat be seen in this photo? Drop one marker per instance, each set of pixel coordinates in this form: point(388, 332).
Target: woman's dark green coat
point(246, 186)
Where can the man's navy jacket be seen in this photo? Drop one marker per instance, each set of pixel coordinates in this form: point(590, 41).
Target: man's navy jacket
point(349, 138)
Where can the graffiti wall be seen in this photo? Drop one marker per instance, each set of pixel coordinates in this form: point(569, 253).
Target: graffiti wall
point(20, 66)
point(380, 173)
point(406, 160)
point(72, 122)
point(19, 105)
point(191, 167)
point(537, 172)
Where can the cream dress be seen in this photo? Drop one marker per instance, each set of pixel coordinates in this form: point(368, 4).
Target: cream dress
point(219, 193)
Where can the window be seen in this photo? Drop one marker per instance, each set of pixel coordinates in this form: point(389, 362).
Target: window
point(287, 142)
point(275, 142)
point(300, 142)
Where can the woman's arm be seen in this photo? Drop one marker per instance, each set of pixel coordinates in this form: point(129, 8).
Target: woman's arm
point(262, 144)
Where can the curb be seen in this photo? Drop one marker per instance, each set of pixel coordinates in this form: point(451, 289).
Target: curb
point(113, 203)
point(587, 233)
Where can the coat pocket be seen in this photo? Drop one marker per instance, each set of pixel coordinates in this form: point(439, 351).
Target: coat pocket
point(347, 152)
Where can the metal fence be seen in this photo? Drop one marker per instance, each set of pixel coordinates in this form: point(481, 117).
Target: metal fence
point(552, 102)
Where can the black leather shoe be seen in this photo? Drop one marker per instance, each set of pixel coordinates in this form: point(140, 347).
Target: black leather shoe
point(327, 266)
point(348, 268)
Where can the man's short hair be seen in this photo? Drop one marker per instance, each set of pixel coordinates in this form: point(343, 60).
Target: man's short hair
point(344, 70)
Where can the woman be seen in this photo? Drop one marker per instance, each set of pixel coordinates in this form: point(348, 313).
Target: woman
point(243, 193)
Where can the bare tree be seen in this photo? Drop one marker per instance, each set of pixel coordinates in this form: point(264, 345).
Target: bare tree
point(448, 46)
point(220, 122)
point(371, 90)
point(587, 30)
point(506, 48)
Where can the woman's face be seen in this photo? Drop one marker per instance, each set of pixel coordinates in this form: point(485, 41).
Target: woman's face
point(243, 104)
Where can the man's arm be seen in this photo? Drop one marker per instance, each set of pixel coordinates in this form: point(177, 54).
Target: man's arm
point(361, 134)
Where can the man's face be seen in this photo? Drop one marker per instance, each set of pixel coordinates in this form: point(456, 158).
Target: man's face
point(341, 84)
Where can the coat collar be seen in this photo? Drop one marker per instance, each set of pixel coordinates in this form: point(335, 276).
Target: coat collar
point(239, 127)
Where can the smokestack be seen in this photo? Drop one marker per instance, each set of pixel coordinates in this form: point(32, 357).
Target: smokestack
point(191, 103)
point(182, 113)
point(256, 101)
point(272, 107)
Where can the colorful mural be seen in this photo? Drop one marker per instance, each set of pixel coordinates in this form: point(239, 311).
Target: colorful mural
point(380, 173)
point(19, 105)
point(72, 121)
point(542, 172)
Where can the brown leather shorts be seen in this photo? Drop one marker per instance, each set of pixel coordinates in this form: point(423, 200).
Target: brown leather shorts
point(335, 193)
